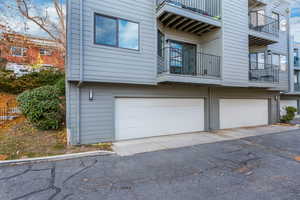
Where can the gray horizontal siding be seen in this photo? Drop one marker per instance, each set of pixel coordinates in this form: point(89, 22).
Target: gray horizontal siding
point(72, 105)
point(97, 116)
point(240, 93)
point(116, 65)
point(235, 42)
point(282, 46)
point(73, 25)
point(110, 64)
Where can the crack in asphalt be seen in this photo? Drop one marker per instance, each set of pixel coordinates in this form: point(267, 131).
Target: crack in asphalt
point(80, 171)
point(237, 161)
point(50, 187)
point(285, 154)
point(67, 196)
point(30, 194)
point(16, 175)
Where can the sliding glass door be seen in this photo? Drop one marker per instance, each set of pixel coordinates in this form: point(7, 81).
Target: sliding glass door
point(257, 60)
point(182, 58)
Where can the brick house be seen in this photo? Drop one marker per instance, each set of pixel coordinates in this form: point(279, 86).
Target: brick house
point(29, 51)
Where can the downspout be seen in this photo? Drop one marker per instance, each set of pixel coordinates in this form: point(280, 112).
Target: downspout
point(81, 45)
point(80, 75)
point(290, 68)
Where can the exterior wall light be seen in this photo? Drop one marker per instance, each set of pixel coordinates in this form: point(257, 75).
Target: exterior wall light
point(91, 95)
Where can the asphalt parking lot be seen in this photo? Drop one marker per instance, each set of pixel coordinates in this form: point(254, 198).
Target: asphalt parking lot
point(255, 168)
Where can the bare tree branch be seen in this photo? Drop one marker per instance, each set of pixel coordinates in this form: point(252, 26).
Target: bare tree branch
point(55, 29)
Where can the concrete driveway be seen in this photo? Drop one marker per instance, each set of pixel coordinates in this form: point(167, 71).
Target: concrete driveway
point(131, 147)
point(255, 168)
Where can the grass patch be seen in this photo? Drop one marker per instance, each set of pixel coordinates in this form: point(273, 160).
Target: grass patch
point(19, 139)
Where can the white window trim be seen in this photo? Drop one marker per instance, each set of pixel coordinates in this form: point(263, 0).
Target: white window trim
point(48, 52)
point(23, 50)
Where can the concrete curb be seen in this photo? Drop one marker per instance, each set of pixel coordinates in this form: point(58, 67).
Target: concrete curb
point(55, 158)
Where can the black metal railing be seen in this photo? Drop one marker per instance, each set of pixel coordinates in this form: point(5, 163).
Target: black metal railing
point(205, 7)
point(262, 23)
point(297, 87)
point(176, 61)
point(262, 72)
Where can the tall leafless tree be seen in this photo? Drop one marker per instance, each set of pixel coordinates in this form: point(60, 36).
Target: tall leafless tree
point(31, 11)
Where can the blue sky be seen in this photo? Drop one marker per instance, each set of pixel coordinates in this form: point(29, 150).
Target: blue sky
point(295, 21)
point(19, 24)
point(295, 12)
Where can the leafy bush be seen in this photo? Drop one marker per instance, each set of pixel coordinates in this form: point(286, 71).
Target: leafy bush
point(9, 83)
point(290, 114)
point(42, 107)
point(61, 86)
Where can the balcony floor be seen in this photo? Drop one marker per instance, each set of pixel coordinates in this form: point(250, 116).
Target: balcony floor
point(261, 39)
point(164, 77)
point(256, 3)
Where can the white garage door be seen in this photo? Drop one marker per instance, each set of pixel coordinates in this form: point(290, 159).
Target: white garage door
point(147, 117)
point(286, 103)
point(236, 113)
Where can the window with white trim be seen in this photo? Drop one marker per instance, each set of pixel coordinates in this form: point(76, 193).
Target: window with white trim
point(283, 63)
point(45, 52)
point(18, 51)
point(116, 32)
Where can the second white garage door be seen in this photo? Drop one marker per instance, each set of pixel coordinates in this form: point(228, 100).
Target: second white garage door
point(148, 117)
point(236, 113)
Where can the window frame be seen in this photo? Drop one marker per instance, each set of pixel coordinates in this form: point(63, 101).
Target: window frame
point(276, 16)
point(160, 41)
point(256, 63)
point(117, 32)
point(49, 53)
point(23, 49)
point(286, 63)
point(261, 14)
point(296, 57)
point(273, 59)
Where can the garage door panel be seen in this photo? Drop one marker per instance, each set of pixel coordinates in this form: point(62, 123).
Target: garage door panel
point(147, 117)
point(243, 112)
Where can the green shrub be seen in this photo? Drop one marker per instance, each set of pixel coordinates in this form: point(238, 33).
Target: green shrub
point(42, 107)
point(61, 87)
point(9, 83)
point(290, 114)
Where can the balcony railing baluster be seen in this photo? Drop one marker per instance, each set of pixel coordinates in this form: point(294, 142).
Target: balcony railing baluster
point(296, 62)
point(173, 62)
point(206, 7)
point(262, 72)
point(262, 23)
point(297, 87)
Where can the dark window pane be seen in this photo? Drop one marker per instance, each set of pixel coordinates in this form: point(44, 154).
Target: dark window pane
point(128, 34)
point(253, 57)
point(261, 58)
point(160, 44)
point(106, 30)
point(18, 51)
point(176, 54)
